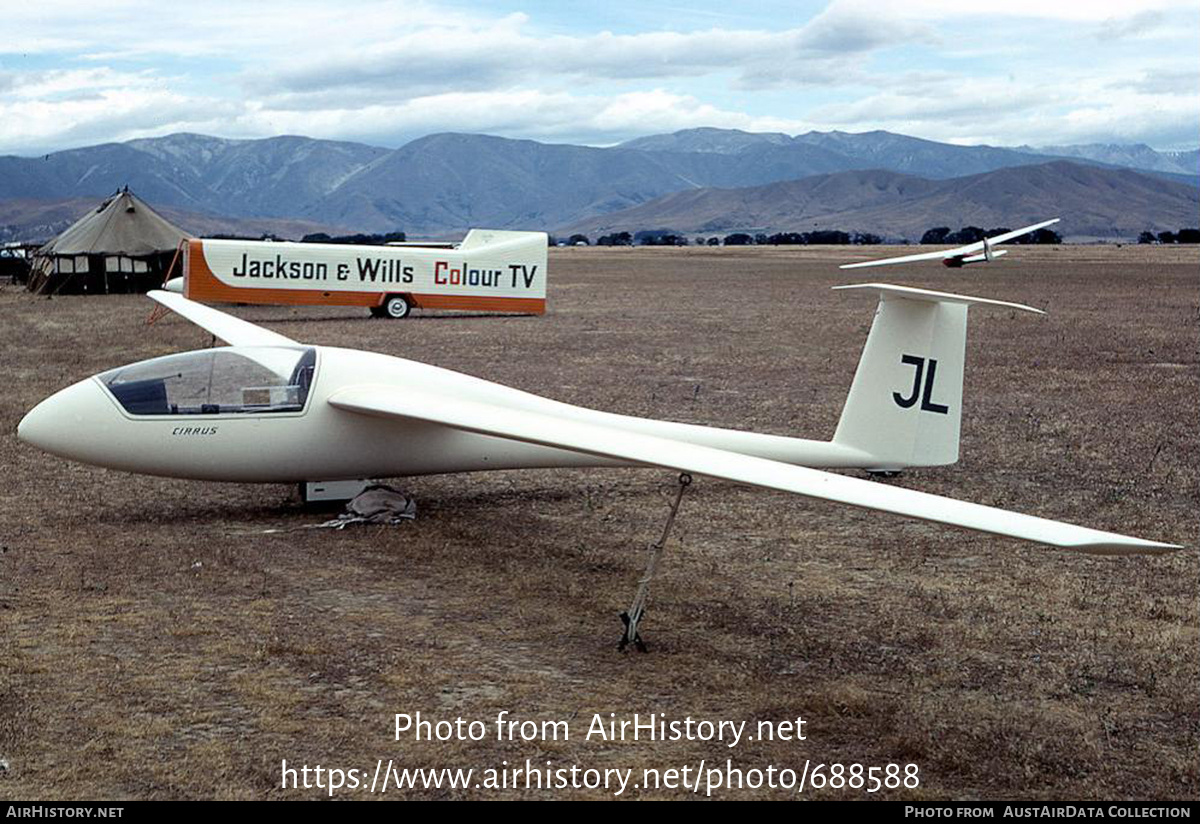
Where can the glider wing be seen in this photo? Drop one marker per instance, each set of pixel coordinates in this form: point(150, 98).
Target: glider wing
point(613, 442)
point(234, 331)
point(902, 259)
point(1018, 232)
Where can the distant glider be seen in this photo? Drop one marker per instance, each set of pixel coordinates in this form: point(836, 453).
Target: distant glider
point(980, 252)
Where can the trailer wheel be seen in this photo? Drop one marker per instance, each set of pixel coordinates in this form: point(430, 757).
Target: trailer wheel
point(396, 307)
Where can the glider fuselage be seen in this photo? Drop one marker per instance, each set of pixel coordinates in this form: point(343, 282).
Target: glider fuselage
point(89, 422)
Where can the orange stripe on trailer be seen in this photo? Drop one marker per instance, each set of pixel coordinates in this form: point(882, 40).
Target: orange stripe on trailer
point(533, 306)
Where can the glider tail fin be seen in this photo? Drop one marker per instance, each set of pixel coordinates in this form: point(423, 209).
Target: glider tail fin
point(905, 404)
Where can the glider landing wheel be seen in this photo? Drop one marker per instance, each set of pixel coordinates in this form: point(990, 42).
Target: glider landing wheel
point(396, 307)
point(632, 617)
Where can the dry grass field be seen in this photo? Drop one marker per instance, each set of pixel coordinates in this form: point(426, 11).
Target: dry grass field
point(156, 642)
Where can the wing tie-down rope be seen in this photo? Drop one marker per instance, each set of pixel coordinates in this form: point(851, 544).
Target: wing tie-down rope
point(637, 610)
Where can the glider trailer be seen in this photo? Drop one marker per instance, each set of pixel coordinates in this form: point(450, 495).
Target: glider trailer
point(490, 270)
point(270, 409)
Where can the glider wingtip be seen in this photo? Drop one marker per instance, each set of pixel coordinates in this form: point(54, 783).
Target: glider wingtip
point(1127, 546)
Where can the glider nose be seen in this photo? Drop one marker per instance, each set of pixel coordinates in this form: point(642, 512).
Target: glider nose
point(64, 423)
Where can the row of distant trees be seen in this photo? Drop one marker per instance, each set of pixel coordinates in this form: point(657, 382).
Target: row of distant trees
point(974, 234)
point(1182, 236)
point(356, 240)
point(323, 237)
point(665, 237)
point(832, 237)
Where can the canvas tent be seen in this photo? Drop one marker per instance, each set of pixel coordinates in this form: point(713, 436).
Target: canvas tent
point(121, 246)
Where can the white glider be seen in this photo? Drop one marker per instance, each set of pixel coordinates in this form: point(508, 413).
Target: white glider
point(980, 252)
point(269, 409)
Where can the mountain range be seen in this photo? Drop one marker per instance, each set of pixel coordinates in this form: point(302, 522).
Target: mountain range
point(442, 184)
point(913, 155)
point(1094, 203)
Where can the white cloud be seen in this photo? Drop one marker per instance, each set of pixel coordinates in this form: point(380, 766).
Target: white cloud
point(1161, 81)
point(1142, 24)
point(105, 116)
point(553, 116)
point(57, 83)
point(1053, 111)
point(226, 29)
point(1001, 71)
point(505, 52)
point(1067, 10)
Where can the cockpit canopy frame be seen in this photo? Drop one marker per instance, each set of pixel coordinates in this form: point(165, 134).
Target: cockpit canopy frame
point(225, 380)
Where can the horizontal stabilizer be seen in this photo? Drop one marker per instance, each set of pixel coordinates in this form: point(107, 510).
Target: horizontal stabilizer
point(984, 257)
point(888, 290)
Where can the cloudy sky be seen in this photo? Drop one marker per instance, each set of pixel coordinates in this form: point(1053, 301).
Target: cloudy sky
point(1005, 72)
